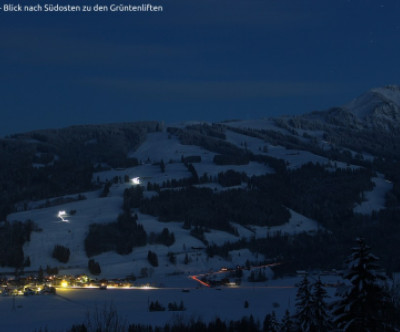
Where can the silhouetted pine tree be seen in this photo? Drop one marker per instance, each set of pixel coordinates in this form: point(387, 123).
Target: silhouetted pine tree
point(217, 326)
point(162, 166)
point(320, 308)
point(271, 324)
point(152, 258)
point(305, 319)
point(365, 305)
point(287, 324)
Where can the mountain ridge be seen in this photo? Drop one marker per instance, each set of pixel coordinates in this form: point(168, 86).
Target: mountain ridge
point(376, 109)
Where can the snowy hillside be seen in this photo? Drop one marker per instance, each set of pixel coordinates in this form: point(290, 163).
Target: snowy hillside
point(378, 101)
point(375, 199)
point(377, 109)
point(223, 211)
point(160, 146)
point(71, 230)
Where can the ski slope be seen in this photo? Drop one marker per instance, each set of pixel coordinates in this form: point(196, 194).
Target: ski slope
point(375, 199)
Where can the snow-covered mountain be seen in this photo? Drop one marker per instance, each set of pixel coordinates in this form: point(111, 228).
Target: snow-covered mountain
point(80, 161)
point(377, 109)
point(208, 199)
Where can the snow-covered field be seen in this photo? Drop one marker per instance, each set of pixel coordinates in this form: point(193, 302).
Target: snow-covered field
point(159, 146)
point(265, 124)
point(71, 233)
point(69, 307)
point(147, 173)
point(375, 199)
point(166, 147)
point(252, 169)
point(163, 146)
point(293, 157)
point(297, 224)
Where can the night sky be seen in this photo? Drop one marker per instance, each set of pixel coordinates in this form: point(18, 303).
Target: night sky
point(198, 60)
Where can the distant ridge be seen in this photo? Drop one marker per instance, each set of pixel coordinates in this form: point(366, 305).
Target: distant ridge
point(377, 109)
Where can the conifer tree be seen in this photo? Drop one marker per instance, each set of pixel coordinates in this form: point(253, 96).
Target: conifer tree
point(320, 308)
point(287, 324)
point(271, 324)
point(364, 304)
point(162, 166)
point(304, 305)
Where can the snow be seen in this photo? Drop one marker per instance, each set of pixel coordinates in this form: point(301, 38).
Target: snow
point(251, 169)
point(69, 307)
point(295, 158)
point(167, 147)
point(365, 104)
point(239, 257)
point(219, 237)
point(390, 93)
point(70, 234)
point(146, 173)
point(36, 165)
point(52, 201)
point(297, 224)
point(72, 231)
point(253, 144)
point(163, 146)
point(59, 312)
point(265, 124)
point(375, 199)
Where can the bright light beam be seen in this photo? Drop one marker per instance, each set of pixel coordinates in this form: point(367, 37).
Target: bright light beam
point(62, 215)
point(136, 181)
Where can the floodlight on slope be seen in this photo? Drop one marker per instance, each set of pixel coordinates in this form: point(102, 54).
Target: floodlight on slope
point(136, 181)
point(62, 215)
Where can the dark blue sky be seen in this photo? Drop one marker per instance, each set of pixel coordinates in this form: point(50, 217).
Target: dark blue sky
point(198, 60)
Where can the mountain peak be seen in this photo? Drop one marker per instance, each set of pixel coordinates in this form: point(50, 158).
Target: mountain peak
point(378, 102)
point(376, 109)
